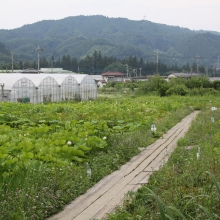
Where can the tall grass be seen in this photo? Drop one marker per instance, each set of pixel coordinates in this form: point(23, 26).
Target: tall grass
point(187, 187)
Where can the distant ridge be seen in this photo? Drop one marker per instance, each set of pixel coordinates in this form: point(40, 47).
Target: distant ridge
point(117, 37)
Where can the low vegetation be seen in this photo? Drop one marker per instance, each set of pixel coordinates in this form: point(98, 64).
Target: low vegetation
point(52, 153)
point(157, 85)
point(188, 186)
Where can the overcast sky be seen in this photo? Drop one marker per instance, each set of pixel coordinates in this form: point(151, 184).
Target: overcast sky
point(192, 14)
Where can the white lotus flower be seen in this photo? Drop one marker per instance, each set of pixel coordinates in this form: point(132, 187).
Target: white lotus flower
point(153, 127)
point(69, 142)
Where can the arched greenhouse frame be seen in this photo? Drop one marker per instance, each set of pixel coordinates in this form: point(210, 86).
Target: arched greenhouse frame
point(39, 88)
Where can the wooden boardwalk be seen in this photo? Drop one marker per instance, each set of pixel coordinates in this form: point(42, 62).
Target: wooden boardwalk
point(108, 193)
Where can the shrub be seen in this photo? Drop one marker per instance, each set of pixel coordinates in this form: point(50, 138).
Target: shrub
point(216, 84)
point(177, 90)
point(198, 82)
point(203, 91)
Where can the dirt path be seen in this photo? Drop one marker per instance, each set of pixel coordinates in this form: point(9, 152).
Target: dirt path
point(110, 191)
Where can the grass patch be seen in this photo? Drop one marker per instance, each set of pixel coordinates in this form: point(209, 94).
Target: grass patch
point(187, 187)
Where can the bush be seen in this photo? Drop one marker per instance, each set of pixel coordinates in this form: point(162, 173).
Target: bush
point(203, 91)
point(198, 82)
point(194, 92)
point(177, 90)
point(208, 91)
point(216, 84)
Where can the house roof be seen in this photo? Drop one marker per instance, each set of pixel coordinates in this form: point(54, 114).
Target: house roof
point(102, 81)
point(96, 77)
point(214, 79)
point(183, 75)
point(109, 73)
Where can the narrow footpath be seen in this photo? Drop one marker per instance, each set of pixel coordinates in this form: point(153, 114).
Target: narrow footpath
point(108, 193)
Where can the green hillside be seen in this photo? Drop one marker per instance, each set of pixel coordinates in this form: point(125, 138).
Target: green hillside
point(113, 37)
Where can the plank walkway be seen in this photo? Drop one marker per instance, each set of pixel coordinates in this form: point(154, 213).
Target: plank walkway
point(108, 193)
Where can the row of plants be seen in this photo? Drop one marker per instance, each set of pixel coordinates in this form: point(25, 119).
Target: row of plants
point(195, 86)
point(188, 186)
point(43, 147)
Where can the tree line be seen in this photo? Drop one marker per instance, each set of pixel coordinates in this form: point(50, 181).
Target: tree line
point(96, 64)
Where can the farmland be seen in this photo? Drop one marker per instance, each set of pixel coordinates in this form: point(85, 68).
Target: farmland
point(44, 147)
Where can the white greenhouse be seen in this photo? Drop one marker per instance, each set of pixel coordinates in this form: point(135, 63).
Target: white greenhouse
point(38, 88)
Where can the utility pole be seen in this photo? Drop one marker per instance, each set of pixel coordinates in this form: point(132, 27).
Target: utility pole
point(218, 66)
point(12, 60)
point(38, 50)
point(197, 66)
point(157, 54)
point(140, 70)
point(207, 71)
point(135, 72)
point(51, 66)
point(127, 69)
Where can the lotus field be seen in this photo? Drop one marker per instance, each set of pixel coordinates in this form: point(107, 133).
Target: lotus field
point(44, 147)
point(33, 135)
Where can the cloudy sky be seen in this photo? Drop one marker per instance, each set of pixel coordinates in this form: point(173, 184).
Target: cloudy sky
point(192, 14)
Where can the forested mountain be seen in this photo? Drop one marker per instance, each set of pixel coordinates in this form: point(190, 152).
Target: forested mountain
point(113, 37)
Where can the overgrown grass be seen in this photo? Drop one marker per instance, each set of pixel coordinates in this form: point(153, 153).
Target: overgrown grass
point(188, 186)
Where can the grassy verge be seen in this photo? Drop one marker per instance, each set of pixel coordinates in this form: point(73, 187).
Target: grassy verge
point(187, 187)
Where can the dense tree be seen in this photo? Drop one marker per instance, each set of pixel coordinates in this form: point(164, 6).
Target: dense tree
point(43, 63)
point(75, 65)
point(186, 68)
point(119, 67)
point(96, 63)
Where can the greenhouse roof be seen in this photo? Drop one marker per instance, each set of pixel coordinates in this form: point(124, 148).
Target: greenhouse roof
point(10, 79)
point(79, 77)
point(36, 78)
point(61, 77)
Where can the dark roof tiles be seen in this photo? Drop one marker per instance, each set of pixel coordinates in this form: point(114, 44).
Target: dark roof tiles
point(113, 74)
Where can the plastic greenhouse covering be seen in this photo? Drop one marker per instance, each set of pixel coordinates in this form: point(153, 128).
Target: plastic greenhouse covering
point(38, 88)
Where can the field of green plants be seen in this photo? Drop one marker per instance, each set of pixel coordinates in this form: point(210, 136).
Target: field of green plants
point(52, 153)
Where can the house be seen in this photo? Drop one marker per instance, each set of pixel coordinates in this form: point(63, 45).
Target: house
point(140, 78)
point(212, 79)
point(99, 80)
point(183, 75)
point(113, 76)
